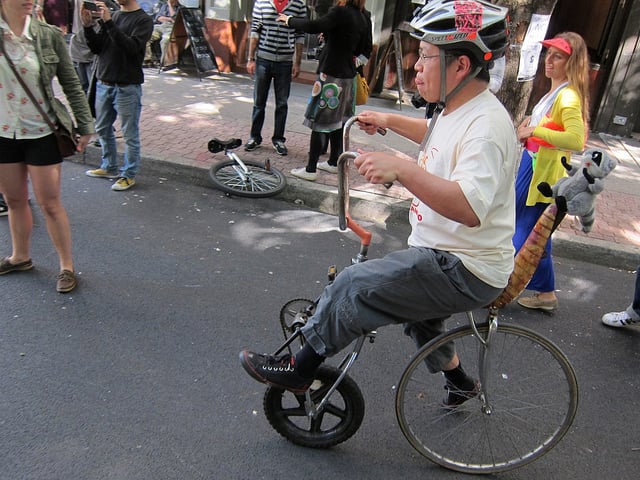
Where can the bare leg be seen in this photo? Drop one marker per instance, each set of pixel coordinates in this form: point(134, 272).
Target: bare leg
point(46, 186)
point(14, 186)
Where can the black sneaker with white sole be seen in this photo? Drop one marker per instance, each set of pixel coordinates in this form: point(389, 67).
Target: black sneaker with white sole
point(280, 147)
point(280, 371)
point(251, 145)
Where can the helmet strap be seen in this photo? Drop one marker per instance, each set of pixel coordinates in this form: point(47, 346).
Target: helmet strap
point(443, 94)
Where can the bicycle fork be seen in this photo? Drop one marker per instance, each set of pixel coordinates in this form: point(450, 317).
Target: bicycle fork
point(483, 355)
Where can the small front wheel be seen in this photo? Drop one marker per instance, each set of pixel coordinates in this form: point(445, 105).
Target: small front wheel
point(255, 180)
point(339, 419)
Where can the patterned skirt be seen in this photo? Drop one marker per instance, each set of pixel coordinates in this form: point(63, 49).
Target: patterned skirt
point(332, 103)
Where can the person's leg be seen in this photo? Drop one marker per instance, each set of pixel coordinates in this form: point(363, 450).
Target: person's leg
point(165, 35)
point(282, 89)
point(336, 141)
point(543, 279)
point(155, 36)
point(407, 286)
point(129, 107)
point(315, 147)
point(105, 117)
point(83, 74)
point(630, 316)
point(417, 284)
point(14, 186)
point(260, 95)
point(325, 144)
point(46, 183)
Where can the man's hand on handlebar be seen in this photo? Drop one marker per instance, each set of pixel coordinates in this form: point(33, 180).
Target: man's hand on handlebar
point(377, 167)
point(372, 122)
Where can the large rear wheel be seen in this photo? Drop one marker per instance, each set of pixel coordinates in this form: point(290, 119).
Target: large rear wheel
point(525, 406)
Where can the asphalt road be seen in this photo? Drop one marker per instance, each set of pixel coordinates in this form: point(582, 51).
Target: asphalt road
point(135, 375)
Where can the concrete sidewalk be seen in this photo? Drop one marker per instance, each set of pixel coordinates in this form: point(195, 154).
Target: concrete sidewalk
point(181, 114)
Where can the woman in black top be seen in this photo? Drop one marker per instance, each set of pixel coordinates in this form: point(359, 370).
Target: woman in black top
point(332, 99)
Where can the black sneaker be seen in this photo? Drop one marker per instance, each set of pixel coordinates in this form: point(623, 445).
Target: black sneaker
point(4, 210)
point(280, 147)
point(456, 396)
point(251, 145)
point(278, 371)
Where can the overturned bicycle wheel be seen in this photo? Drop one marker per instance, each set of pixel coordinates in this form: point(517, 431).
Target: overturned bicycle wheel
point(247, 178)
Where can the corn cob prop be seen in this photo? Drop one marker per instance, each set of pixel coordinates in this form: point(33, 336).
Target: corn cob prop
point(529, 255)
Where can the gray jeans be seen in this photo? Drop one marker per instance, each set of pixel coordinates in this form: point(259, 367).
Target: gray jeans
point(417, 287)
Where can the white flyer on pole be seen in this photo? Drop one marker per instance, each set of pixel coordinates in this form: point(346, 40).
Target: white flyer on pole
point(531, 47)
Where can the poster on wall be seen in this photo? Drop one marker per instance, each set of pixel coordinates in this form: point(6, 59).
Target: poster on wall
point(531, 47)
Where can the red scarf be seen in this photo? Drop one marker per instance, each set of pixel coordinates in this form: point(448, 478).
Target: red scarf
point(280, 5)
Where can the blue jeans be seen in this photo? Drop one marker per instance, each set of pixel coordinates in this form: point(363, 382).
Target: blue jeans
point(280, 73)
point(84, 70)
point(125, 101)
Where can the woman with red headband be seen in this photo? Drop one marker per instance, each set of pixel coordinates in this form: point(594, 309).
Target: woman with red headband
point(557, 126)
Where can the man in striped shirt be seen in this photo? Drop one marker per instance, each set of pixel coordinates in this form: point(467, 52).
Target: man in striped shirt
point(275, 53)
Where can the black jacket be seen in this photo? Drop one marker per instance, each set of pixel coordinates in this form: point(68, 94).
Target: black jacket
point(344, 29)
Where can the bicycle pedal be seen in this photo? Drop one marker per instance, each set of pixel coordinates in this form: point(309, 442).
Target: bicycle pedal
point(331, 273)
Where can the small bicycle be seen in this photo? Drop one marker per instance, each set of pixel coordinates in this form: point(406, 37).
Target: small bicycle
point(243, 178)
point(528, 392)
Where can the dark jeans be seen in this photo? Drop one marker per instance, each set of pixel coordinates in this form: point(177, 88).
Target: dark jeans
point(280, 73)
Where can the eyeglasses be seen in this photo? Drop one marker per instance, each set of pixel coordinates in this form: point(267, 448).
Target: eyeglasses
point(423, 57)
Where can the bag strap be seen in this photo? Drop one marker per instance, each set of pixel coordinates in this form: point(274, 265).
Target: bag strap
point(27, 89)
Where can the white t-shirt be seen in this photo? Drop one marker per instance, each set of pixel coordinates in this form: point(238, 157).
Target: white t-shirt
point(476, 146)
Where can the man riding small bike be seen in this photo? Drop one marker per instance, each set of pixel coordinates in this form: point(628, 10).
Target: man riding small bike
point(460, 253)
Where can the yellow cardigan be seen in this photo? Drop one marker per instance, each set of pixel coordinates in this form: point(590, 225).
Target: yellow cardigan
point(566, 111)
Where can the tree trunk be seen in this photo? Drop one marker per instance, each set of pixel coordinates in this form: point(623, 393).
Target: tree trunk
point(513, 94)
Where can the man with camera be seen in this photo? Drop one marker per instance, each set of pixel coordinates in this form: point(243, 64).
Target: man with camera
point(119, 43)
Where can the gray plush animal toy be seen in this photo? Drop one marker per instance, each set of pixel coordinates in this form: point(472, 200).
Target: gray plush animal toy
point(576, 193)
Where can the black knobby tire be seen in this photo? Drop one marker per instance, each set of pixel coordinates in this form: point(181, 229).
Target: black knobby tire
point(340, 418)
point(259, 182)
point(531, 389)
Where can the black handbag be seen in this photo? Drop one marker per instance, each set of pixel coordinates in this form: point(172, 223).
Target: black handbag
point(67, 141)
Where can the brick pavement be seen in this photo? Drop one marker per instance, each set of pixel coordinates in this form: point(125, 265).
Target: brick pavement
point(181, 113)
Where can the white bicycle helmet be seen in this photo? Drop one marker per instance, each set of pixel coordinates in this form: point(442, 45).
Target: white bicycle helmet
point(476, 26)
